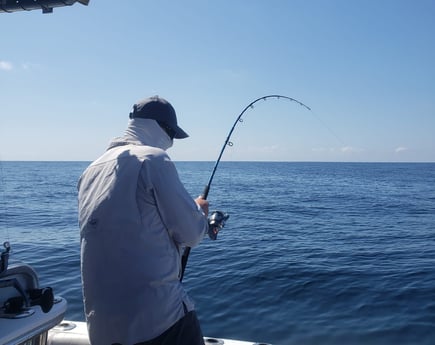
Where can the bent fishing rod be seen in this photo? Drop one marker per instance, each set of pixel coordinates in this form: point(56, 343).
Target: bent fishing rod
point(217, 219)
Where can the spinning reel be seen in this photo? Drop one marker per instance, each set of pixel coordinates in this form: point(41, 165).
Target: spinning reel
point(216, 222)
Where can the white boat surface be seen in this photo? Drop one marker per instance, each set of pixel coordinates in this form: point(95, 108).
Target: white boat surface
point(75, 333)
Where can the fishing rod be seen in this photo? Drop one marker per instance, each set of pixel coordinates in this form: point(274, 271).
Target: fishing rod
point(217, 219)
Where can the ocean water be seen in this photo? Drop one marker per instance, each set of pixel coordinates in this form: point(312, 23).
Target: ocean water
point(313, 253)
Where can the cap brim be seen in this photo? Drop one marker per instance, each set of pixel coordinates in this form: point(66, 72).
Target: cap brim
point(180, 134)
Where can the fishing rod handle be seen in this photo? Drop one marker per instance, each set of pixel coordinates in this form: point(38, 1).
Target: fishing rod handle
point(186, 252)
point(204, 194)
point(184, 258)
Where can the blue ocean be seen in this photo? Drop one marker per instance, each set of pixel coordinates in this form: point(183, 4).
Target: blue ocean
point(313, 253)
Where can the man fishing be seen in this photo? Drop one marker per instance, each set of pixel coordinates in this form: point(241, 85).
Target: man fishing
point(135, 217)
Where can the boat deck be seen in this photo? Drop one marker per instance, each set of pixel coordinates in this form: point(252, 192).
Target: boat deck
point(75, 332)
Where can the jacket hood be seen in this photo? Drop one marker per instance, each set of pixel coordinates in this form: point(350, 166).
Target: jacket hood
point(143, 132)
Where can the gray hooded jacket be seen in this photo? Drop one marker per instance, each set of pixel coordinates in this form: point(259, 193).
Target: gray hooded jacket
point(135, 217)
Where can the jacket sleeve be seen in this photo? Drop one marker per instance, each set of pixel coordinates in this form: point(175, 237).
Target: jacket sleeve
point(183, 218)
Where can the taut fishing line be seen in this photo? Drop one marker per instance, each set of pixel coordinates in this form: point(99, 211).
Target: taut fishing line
point(217, 219)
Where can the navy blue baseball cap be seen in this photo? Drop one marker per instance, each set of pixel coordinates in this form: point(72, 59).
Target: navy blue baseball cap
point(159, 109)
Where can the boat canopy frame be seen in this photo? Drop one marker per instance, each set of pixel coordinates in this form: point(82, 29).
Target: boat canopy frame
point(46, 6)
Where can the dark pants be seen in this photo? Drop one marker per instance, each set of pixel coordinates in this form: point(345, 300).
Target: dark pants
point(185, 331)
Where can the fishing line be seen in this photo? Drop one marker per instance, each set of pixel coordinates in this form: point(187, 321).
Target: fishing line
point(218, 218)
point(324, 124)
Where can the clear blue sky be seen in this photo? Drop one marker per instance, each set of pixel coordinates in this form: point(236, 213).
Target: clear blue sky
point(366, 68)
